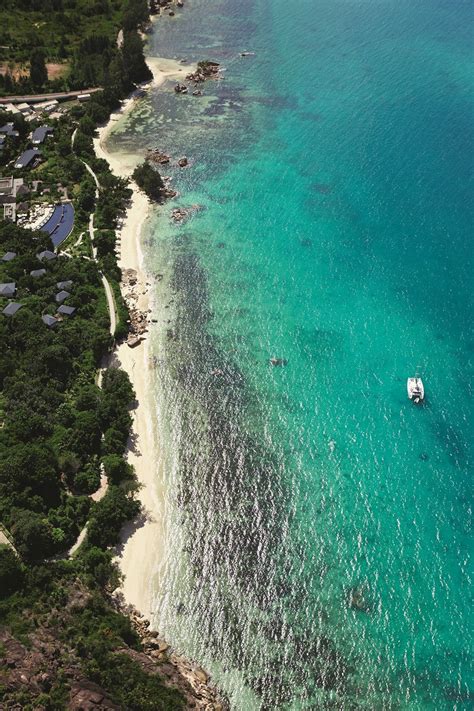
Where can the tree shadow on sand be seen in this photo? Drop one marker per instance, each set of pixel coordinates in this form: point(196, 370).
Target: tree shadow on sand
point(130, 528)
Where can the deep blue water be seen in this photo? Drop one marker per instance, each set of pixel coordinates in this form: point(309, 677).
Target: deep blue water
point(335, 168)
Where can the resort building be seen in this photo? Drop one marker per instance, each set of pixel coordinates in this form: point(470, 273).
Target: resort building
point(66, 310)
point(28, 159)
point(64, 284)
point(9, 130)
point(61, 296)
point(50, 321)
point(11, 309)
point(8, 289)
point(9, 108)
point(59, 226)
point(47, 255)
point(38, 273)
point(40, 134)
point(10, 189)
point(26, 110)
point(8, 256)
point(9, 212)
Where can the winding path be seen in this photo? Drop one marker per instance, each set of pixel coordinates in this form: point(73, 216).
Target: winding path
point(102, 490)
point(106, 284)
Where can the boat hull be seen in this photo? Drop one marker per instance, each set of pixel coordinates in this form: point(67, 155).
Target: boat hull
point(415, 389)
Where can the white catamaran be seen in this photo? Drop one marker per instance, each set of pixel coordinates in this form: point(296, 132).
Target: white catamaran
point(416, 389)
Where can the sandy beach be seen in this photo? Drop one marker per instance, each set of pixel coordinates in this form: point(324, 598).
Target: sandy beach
point(141, 550)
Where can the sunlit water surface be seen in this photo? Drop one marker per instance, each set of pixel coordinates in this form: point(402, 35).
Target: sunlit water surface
point(318, 552)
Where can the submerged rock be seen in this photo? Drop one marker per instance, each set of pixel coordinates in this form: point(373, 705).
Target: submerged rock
point(154, 155)
point(181, 89)
point(356, 598)
point(276, 362)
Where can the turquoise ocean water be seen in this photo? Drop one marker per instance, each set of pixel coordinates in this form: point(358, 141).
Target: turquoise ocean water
point(318, 555)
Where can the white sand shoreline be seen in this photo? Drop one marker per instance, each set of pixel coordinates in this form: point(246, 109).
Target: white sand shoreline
point(142, 542)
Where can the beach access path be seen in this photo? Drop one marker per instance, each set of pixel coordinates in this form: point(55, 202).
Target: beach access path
point(109, 294)
point(102, 490)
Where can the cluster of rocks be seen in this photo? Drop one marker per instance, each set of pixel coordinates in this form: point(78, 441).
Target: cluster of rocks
point(168, 193)
point(138, 319)
point(157, 6)
point(154, 155)
point(192, 681)
point(181, 214)
point(205, 70)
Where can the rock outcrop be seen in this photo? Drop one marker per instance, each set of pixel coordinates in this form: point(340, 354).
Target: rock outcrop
point(154, 155)
point(205, 70)
point(181, 214)
point(177, 671)
point(32, 667)
point(138, 324)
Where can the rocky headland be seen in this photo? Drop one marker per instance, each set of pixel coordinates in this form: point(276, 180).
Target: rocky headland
point(32, 664)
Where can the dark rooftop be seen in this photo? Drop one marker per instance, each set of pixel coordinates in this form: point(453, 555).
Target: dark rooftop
point(60, 224)
point(39, 134)
point(27, 158)
point(66, 310)
point(64, 284)
point(8, 256)
point(61, 296)
point(49, 320)
point(7, 289)
point(38, 272)
point(46, 254)
point(12, 308)
point(9, 130)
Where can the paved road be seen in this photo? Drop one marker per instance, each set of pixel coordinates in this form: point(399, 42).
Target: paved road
point(36, 98)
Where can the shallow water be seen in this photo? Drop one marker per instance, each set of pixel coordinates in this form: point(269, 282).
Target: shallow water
point(319, 545)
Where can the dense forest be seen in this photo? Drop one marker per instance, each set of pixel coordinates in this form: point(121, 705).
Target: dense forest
point(59, 433)
point(71, 44)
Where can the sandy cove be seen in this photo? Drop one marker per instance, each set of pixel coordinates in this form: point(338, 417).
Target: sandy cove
point(142, 541)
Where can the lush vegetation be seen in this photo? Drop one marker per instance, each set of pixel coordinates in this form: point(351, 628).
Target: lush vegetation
point(78, 37)
point(59, 431)
point(56, 422)
point(64, 603)
point(150, 181)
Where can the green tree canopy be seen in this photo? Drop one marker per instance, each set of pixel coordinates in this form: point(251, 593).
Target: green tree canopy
point(11, 572)
point(38, 71)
